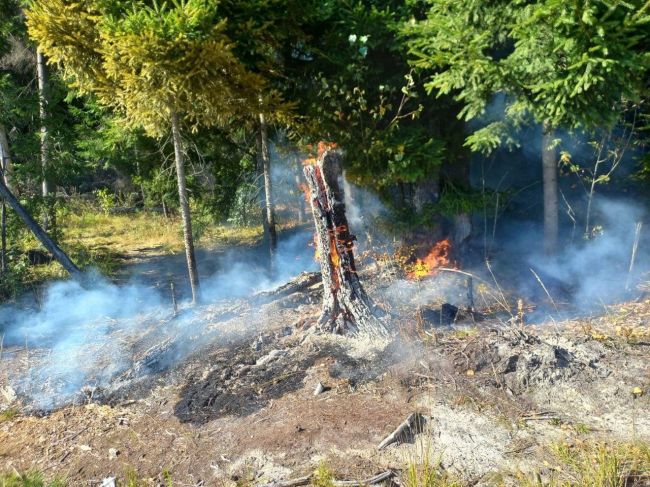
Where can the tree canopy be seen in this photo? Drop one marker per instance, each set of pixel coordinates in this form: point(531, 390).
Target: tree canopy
point(567, 64)
point(148, 61)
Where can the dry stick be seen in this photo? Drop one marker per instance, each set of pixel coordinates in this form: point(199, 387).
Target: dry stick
point(545, 290)
point(635, 246)
point(571, 214)
point(339, 483)
point(504, 304)
point(372, 480)
point(290, 483)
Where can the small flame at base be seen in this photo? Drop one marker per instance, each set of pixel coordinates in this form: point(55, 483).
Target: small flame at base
point(438, 257)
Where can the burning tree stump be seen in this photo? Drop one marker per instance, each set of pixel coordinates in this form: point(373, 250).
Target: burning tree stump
point(346, 306)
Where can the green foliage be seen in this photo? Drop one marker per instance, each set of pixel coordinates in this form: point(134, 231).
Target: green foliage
point(106, 200)
point(147, 61)
point(594, 464)
point(426, 473)
point(30, 479)
point(8, 415)
point(323, 476)
point(566, 64)
point(245, 208)
point(357, 90)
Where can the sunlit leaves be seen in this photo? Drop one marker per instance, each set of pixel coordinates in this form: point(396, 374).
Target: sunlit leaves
point(148, 60)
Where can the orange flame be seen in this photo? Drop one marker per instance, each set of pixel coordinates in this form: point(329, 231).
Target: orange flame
point(438, 257)
point(334, 252)
point(324, 146)
point(320, 148)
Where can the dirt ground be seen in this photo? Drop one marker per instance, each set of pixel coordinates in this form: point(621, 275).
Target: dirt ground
point(241, 408)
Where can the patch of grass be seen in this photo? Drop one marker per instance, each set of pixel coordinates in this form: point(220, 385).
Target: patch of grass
point(582, 428)
point(463, 334)
point(427, 473)
point(96, 239)
point(323, 476)
point(167, 477)
point(8, 414)
point(131, 479)
point(29, 479)
point(595, 464)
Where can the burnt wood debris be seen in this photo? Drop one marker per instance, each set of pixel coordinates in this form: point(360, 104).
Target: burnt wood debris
point(346, 306)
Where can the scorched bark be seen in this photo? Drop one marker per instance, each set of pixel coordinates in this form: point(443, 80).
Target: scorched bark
point(346, 306)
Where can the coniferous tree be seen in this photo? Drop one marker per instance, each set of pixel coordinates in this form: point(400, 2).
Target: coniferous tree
point(559, 64)
point(162, 67)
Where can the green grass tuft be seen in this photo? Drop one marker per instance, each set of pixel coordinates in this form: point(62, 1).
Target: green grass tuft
point(29, 479)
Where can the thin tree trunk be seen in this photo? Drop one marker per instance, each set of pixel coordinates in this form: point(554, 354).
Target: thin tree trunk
point(3, 237)
point(3, 220)
point(551, 200)
point(43, 105)
point(5, 156)
point(185, 209)
point(269, 213)
point(5, 168)
point(139, 172)
point(39, 233)
point(346, 306)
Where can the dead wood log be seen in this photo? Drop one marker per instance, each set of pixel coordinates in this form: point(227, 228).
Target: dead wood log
point(300, 284)
point(39, 233)
point(411, 425)
point(346, 306)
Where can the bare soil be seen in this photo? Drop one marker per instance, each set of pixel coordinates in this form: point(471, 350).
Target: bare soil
point(240, 408)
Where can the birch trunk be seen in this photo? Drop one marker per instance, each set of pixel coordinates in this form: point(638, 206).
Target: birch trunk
point(5, 156)
point(185, 208)
point(43, 105)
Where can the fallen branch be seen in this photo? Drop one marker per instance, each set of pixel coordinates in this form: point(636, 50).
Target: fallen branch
point(339, 483)
point(290, 483)
point(372, 480)
point(42, 236)
point(413, 424)
point(299, 284)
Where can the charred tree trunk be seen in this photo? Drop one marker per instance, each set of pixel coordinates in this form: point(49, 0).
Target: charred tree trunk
point(346, 306)
point(43, 102)
point(185, 209)
point(269, 212)
point(551, 201)
point(38, 232)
